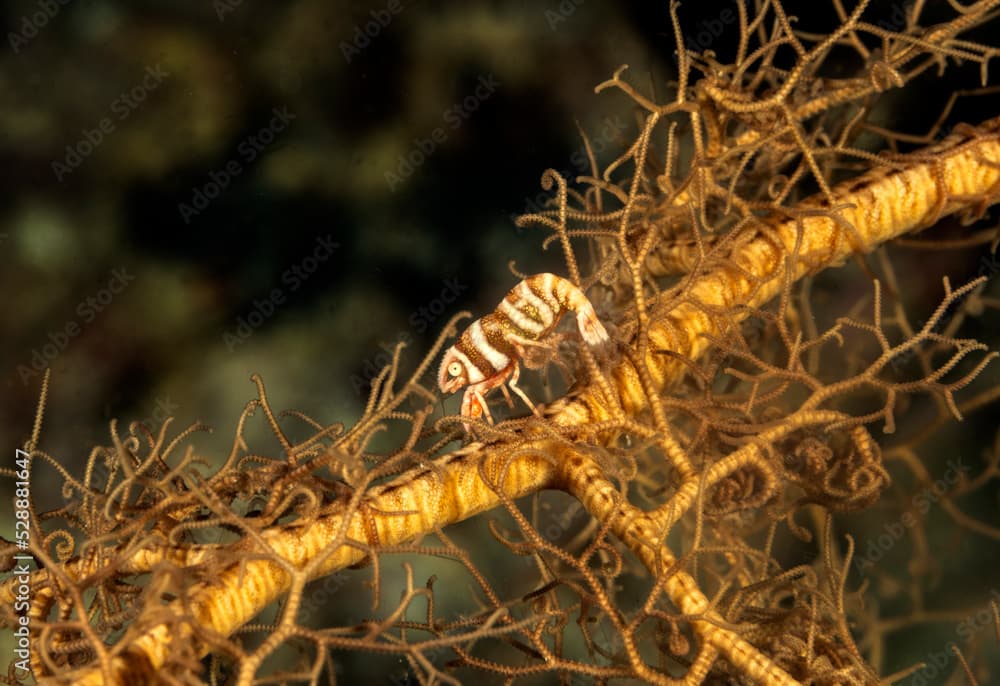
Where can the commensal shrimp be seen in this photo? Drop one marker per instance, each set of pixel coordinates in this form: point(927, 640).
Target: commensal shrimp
point(487, 353)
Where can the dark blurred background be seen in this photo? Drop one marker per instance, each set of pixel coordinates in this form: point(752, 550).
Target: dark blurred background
point(194, 158)
point(197, 191)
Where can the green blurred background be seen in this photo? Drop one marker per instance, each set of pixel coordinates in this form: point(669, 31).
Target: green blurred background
point(189, 93)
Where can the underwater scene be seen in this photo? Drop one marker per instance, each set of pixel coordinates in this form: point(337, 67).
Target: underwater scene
point(492, 342)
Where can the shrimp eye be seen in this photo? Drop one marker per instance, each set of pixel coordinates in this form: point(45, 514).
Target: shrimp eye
point(455, 369)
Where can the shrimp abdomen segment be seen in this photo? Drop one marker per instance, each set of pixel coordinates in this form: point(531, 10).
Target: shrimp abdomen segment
point(535, 306)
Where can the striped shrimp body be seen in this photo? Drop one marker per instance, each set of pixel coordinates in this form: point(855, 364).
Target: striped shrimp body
point(487, 353)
